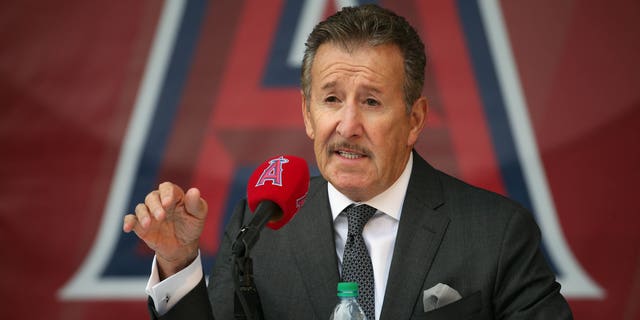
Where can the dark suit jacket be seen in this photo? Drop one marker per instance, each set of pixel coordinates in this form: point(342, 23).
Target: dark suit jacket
point(479, 243)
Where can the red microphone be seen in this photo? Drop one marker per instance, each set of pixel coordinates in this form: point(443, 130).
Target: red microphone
point(283, 180)
point(275, 192)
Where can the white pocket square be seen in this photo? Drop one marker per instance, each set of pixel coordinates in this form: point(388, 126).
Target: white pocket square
point(438, 296)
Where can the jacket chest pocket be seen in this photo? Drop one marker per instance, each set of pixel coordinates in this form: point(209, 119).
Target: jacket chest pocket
point(467, 308)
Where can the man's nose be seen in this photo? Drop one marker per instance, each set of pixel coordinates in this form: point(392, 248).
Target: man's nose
point(350, 121)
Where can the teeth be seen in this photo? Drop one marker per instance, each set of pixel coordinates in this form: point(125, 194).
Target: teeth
point(349, 155)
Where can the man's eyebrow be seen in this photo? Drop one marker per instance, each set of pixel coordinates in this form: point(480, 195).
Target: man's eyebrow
point(372, 89)
point(332, 84)
point(328, 85)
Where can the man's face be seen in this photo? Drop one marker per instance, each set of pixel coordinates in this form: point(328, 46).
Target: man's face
point(356, 116)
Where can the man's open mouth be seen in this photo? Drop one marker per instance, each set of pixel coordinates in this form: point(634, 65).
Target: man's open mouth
point(349, 155)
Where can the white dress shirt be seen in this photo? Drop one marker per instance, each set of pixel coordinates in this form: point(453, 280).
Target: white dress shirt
point(379, 236)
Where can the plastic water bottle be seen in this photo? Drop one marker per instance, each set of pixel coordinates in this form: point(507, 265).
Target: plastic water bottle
point(348, 307)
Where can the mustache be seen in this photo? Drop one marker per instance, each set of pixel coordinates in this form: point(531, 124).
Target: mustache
point(345, 146)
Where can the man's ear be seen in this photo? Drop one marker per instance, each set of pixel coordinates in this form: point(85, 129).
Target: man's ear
point(417, 119)
point(306, 115)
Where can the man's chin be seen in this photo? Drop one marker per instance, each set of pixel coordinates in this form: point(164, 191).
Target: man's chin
point(353, 188)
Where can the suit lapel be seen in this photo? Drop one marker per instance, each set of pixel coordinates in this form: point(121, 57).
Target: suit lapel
point(419, 235)
point(313, 248)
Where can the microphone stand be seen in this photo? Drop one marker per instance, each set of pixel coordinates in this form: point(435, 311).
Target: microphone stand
point(247, 301)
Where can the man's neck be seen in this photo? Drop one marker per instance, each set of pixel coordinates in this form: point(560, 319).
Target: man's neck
point(389, 201)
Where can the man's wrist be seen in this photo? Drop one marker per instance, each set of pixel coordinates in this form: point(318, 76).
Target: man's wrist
point(169, 267)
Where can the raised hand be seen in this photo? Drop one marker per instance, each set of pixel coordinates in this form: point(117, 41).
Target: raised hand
point(170, 223)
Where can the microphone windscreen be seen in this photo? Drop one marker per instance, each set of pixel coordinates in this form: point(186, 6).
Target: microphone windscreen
point(283, 180)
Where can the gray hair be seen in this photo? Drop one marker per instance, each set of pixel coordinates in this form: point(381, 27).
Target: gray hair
point(372, 25)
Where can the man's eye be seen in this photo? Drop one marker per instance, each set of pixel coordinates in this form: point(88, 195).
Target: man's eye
point(331, 99)
point(372, 102)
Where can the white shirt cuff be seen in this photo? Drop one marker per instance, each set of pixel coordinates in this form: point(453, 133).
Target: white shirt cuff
point(167, 293)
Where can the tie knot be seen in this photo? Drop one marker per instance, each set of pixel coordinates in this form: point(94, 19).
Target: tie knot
point(358, 217)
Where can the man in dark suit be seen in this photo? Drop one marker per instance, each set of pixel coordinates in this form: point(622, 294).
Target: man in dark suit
point(439, 248)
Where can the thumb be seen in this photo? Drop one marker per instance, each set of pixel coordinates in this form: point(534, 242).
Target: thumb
point(194, 204)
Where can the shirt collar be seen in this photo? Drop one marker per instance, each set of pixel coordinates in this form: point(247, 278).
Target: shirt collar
point(389, 202)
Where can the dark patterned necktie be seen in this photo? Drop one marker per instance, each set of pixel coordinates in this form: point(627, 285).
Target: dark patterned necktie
point(356, 262)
